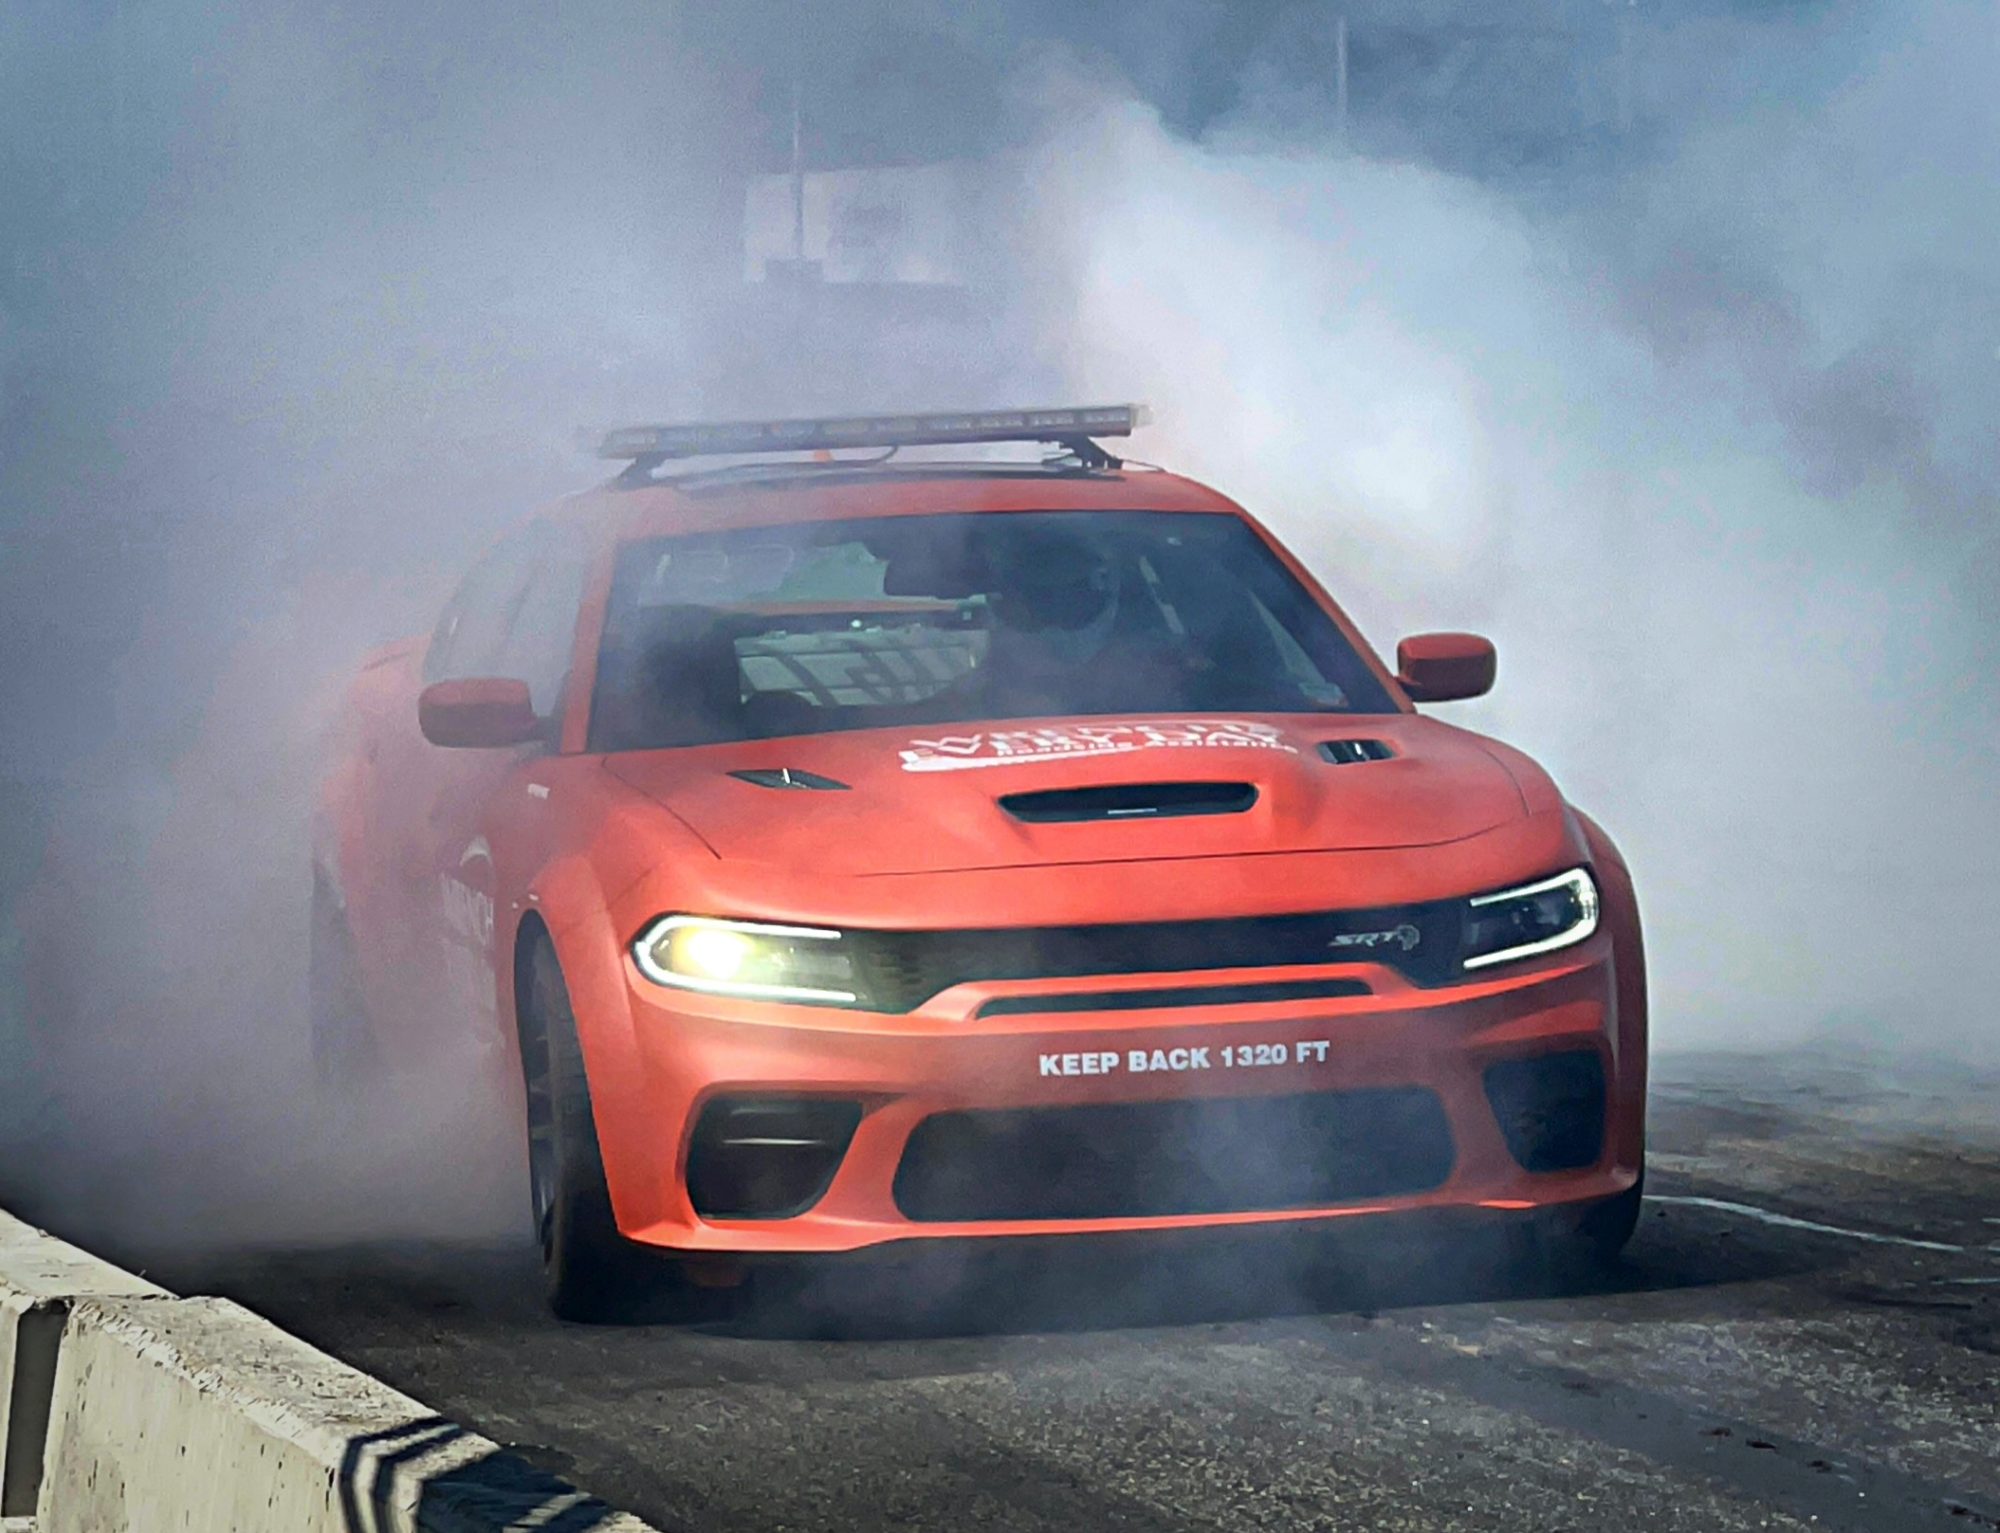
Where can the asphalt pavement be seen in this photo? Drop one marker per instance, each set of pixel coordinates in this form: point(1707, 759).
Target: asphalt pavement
point(1804, 1334)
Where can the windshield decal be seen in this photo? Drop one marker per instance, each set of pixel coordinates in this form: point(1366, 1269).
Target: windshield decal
point(1066, 742)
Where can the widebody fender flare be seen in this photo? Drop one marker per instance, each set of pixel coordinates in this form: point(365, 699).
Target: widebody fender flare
point(1630, 1027)
point(567, 902)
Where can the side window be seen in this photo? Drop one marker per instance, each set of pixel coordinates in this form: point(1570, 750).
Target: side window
point(541, 631)
point(470, 634)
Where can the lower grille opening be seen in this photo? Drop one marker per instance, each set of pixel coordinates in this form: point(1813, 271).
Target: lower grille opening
point(766, 1158)
point(1153, 1158)
point(1551, 1109)
point(1180, 995)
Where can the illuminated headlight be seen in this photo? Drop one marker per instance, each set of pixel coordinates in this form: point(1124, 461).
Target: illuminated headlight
point(748, 958)
point(1535, 918)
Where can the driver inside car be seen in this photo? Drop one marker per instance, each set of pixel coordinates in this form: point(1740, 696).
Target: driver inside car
point(1072, 632)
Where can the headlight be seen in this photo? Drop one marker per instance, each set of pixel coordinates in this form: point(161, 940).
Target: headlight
point(748, 958)
point(1535, 918)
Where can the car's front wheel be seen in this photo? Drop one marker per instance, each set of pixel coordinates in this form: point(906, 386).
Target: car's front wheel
point(590, 1271)
point(1609, 1227)
point(1568, 1246)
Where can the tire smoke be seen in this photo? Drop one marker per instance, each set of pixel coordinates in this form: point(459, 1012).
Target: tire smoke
point(299, 309)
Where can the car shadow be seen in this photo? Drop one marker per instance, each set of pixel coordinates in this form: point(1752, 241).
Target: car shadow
point(1688, 1263)
point(1080, 1284)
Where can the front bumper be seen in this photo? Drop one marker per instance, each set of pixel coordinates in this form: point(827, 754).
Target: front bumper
point(1291, 1096)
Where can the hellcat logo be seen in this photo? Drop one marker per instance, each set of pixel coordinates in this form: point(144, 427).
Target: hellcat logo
point(1405, 936)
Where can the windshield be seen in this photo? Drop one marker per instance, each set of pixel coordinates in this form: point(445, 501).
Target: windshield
point(959, 618)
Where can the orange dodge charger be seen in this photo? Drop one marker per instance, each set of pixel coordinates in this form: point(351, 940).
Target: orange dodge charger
point(851, 844)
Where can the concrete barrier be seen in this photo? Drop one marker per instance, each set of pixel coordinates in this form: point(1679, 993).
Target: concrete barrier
point(193, 1415)
point(199, 1415)
point(40, 1278)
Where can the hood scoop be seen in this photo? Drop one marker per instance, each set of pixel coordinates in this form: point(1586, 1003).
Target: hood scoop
point(787, 777)
point(1347, 752)
point(1129, 801)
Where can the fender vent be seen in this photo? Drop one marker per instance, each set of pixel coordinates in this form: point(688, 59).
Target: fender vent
point(1130, 801)
point(787, 777)
point(1347, 752)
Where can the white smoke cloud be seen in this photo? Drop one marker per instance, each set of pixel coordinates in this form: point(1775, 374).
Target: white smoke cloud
point(1707, 450)
point(1701, 432)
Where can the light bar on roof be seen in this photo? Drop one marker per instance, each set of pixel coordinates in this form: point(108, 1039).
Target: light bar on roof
point(824, 432)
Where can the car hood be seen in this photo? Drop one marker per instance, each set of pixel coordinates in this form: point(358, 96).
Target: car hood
point(1055, 792)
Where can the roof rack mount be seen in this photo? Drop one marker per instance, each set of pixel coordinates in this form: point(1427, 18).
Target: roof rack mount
point(1072, 428)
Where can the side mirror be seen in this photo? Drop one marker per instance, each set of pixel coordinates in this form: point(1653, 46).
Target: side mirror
point(478, 713)
point(1445, 667)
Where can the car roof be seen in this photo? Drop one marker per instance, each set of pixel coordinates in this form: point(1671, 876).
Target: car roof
point(768, 494)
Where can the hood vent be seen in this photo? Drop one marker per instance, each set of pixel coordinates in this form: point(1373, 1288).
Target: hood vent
point(1130, 801)
point(787, 777)
point(1347, 752)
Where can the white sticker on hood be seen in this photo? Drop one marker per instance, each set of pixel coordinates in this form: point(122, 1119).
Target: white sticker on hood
point(1065, 742)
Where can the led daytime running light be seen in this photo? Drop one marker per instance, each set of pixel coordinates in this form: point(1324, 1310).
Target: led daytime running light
point(656, 942)
point(1577, 880)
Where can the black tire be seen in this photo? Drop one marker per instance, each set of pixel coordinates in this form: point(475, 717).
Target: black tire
point(1567, 1247)
point(1604, 1232)
point(344, 1052)
point(590, 1272)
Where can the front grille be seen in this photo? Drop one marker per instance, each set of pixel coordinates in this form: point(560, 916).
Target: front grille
point(1139, 1159)
point(899, 971)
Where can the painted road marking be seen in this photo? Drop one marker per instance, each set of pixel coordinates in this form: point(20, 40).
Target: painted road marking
point(1750, 1211)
